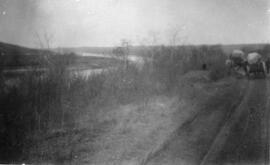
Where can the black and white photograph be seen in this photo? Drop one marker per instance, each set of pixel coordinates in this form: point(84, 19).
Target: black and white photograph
point(135, 82)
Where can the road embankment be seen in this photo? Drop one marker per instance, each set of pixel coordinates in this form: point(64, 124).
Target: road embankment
point(161, 129)
point(192, 140)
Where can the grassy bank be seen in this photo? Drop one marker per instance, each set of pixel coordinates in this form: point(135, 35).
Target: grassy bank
point(41, 107)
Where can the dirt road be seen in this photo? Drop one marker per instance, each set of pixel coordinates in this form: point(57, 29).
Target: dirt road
point(230, 134)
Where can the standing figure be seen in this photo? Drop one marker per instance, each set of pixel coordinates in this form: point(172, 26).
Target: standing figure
point(204, 66)
point(267, 63)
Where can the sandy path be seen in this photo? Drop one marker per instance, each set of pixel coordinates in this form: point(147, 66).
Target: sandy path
point(244, 137)
point(193, 139)
point(223, 137)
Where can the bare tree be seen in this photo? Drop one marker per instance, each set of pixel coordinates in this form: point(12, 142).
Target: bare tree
point(56, 72)
point(44, 42)
point(154, 36)
point(126, 44)
point(118, 52)
point(176, 35)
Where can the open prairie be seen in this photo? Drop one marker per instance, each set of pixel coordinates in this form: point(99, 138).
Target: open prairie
point(124, 82)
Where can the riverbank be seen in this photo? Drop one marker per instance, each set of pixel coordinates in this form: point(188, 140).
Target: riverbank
point(47, 118)
point(131, 133)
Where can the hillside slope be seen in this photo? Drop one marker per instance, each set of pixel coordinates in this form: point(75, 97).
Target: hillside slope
point(135, 132)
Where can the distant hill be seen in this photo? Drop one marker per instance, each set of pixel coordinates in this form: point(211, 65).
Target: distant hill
point(80, 50)
point(13, 57)
point(140, 50)
point(245, 47)
point(18, 56)
point(134, 50)
point(9, 49)
point(6, 49)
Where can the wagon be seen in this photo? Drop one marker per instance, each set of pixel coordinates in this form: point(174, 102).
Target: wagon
point(256, 69)
point(255, 65)
point(235, 60)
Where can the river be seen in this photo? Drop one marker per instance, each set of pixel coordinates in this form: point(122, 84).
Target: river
point(84, 72)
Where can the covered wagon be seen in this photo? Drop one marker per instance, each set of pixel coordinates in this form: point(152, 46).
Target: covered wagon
point(237, 56)
point(255, 65)
point(236, 60)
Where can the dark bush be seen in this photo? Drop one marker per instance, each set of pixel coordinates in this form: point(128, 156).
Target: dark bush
point(172, 62)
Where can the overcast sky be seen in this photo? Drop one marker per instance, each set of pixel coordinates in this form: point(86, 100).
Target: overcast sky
point(106, 22)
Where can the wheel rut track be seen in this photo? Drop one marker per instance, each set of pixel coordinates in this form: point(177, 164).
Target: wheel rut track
point(226, 112)
point(244, 113)
point(267, 127)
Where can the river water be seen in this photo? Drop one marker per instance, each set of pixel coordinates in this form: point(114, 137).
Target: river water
point(85, 72)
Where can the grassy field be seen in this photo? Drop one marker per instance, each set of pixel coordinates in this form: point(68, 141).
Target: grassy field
point(61, 106)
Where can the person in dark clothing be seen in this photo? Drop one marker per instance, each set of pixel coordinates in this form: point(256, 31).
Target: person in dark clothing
point(204, 66)
point(267, 64)
point(245, 66)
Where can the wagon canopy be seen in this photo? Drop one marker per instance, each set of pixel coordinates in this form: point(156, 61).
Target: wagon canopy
point(253, 58)
point(238, 54)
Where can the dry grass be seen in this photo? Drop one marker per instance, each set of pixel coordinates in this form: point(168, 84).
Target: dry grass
point(58, 104)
